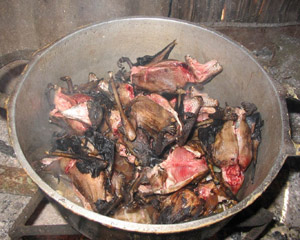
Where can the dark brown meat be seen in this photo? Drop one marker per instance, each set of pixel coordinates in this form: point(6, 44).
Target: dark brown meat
point(181, 206)
point(243, 135)
point(91, 188)
point(225, 147)
point(150, 116)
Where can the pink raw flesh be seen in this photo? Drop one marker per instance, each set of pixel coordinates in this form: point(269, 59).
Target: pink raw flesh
point(182, 167)
point(233, 176)
point(203, 72)
point(78, 112)
point(204, 190)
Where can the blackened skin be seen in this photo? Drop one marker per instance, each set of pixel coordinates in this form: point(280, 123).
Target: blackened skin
point(258, 122)
point(102, 206)
point(140, 148)
point(105, 99)
point(147, 59)
point(105, 147)
point(181, 206)
point(161, 55)
point(255, 123)
point(187, 127)
point(107, 208)
point(250, 108)
point(92, 167)
point(67, 143)
point(95, 113)
point(208, 134)
point(161, 142)
point(225, 114)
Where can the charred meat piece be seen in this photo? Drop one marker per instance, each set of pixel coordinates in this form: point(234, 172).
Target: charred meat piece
point(166, 105)
point(208, 192)
point(124, 167)
point(150, 116)
point(225, 147)
point(203, 72)
point(191, 118)
point(167, 76)
point(72, 109)
point(140, 148)
point(142, 61)
point(213, 196)
point(179, 169)
point(104, 146)
point(67, 144)
point(255, 123)
point(207, 135)
point(243, 135)
point(95, 113)
point(181, 206)
point(91, 188)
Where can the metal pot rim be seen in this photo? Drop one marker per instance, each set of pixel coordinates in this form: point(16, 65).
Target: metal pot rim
point(285, 150)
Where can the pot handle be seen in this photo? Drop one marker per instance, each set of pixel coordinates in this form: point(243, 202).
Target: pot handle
point(8, 75)
point(4, 98)
point(293, 104)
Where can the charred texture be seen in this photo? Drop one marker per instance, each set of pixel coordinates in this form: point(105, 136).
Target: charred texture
point(67, 144)
point(92, 167)
point(162, 142)
point(105, 147)
point(105, 99)
point(255, 123)
point(149, 145)
point(147, 59)
point(207, 135)
point(95, 113)
point(188, 126)
point(250, 108)
point(102, 206)
point(225, 114)
point(140, 148)
point(160, 56)
point(107, 208)
point(86, 164)
point(181, 206)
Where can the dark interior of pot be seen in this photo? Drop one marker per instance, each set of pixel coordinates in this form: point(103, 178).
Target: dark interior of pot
point(97, 49)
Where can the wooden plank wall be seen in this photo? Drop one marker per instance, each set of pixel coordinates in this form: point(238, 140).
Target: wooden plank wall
point(248, 11)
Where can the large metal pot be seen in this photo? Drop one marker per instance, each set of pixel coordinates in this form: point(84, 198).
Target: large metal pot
point(97, 48)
